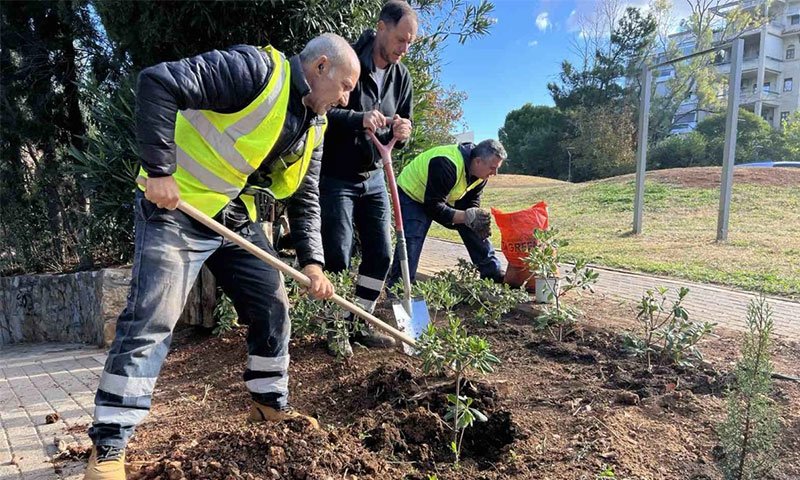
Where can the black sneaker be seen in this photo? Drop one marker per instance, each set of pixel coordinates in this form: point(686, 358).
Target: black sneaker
point(372, 338)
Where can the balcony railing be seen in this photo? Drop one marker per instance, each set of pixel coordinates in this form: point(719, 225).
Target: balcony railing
point(791, 29)
point(747, 95)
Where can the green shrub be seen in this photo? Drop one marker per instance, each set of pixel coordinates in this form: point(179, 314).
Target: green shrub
point(667, 332)
point(679, 151)
point(451, 347)
point(225, 316)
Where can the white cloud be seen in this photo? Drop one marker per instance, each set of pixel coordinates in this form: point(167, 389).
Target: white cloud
point(572, 22)
point(533, 43)
point(543, 21)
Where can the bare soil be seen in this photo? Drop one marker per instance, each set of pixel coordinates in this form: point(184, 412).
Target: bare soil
point(556, 411)
point(711, 177)
point(506, 180)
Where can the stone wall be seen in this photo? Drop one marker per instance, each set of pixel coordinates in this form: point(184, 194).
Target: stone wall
point(81, 307)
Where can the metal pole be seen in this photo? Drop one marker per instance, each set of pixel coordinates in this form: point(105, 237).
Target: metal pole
point(569, 165)
point(729, 154)
point(641, 149)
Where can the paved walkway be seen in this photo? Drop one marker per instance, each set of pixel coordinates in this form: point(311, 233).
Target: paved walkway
point(725, 306)
point(37, 380)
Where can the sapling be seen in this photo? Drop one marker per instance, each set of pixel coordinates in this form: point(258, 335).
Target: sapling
point(463, 286)
point(225, 315)
point(306, 311)
point(542, 261)
point(666, 330)
point(749, 432)
point(450, 346)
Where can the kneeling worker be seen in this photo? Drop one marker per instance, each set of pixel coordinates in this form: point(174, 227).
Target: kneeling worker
point(445, 184)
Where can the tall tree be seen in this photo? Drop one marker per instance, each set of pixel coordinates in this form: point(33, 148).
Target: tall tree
point(603, 142)
point(48, 47)
point(150, 32)
point(695, 84)
point(602, 79)
point(533, 136)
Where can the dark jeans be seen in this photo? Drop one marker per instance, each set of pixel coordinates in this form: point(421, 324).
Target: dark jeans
point(416, 224)
point(170, 249)
point(363, 206)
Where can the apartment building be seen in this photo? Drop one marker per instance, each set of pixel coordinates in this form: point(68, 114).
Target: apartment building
point(770, 70)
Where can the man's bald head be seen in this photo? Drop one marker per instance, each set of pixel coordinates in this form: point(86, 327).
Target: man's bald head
point(332, 46)
point(331, 68)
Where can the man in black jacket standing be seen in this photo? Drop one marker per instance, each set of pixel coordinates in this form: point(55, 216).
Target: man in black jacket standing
point(210, 129)
point(352, 189)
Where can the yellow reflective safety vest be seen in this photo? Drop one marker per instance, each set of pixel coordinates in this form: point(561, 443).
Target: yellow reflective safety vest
point(414, 177)
point(217, 152)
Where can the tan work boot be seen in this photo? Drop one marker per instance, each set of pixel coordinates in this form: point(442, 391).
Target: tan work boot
point(263, 413)
point(106, 463)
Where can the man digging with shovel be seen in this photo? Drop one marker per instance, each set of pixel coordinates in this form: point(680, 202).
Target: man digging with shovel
point(209, 128)
point(445, 184)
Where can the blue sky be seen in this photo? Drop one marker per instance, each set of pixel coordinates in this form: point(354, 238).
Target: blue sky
point(512, 66)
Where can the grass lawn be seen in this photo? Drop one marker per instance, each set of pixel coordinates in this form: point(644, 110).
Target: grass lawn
point(680, 225)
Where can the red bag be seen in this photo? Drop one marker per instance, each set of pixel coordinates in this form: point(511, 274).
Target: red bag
point(516, 231)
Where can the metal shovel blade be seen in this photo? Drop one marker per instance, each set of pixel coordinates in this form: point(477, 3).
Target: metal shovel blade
point(412, 324)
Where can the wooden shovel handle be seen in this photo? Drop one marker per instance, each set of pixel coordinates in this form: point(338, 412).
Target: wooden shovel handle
point(296, 275)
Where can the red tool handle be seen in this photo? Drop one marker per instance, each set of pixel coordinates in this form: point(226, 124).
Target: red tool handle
point(386, 154)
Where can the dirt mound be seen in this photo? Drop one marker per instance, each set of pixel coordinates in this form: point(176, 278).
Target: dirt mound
point(513, 181)
point(711, 177)
point(289, 450)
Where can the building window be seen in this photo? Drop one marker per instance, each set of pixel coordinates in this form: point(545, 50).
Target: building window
point(794, 19)
point(784, 117)
point(790, 53)
point(787, 84)
point(767, 86)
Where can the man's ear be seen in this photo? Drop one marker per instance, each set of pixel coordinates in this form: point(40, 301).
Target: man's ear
point(322, 64)
point(381, 26)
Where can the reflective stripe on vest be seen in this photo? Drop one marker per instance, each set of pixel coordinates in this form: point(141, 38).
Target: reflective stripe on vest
point(287, 177)
point(216, 152)
point(414, 177)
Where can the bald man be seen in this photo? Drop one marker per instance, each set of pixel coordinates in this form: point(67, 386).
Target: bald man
point(212, 130)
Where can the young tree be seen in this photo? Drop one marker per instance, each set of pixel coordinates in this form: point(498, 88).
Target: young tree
point(749, 431)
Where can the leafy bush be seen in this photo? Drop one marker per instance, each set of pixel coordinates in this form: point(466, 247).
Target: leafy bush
point(678, 151)
point(542, 261)
point(107, 168)
point(754, 138)
point(225, 316)
point(451, 347)
point(666, 330)
point(311, 317)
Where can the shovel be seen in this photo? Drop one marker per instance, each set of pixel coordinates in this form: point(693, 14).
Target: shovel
point(297, 276)
point(411, 314)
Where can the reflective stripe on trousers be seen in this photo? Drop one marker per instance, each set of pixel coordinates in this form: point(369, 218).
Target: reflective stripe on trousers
point(170, 249)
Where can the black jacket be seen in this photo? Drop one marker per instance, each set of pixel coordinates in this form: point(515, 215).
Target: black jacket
point(226, 82)
point(442, 178)
point(349, 154)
